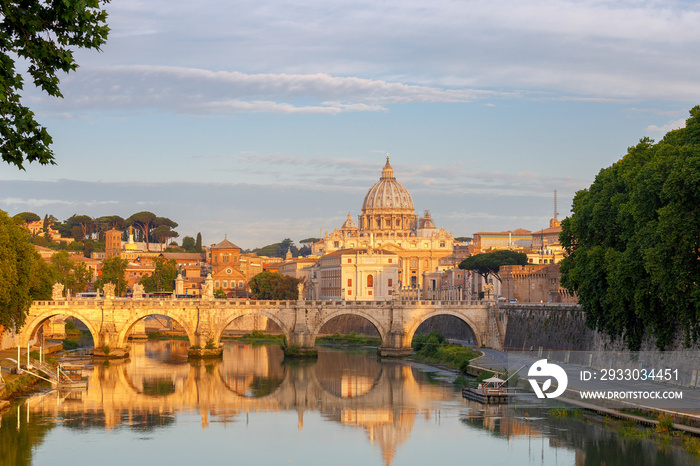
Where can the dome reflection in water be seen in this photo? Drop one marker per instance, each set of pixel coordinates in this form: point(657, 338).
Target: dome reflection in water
point(346, 407)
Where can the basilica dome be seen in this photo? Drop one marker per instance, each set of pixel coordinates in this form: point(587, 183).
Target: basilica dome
point(387, 193)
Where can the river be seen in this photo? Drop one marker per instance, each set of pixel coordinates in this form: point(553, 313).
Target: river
point(255, 408)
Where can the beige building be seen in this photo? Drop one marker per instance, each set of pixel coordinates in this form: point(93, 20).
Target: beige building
point(484, 241)
point(359, 274)
point(388, 221)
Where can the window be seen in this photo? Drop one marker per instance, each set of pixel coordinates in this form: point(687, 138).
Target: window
point(442, 244)
point(336, 244)
point(216, 284)
point(369, 292)
point(240, 284)
point(349, 281)
point(390, 260)
point(349, 292)
point(370, 282)
point(349, 261)
point(225, 258)
point(224, 284)
point(390, 282)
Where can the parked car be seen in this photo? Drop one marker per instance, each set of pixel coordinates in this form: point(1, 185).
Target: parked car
point(512, 300)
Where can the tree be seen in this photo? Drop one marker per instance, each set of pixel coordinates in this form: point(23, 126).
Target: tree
point(74, 275)
point(44, 34)
point(145, 222)
point(198, 243)
point(25, 275)
point(162, 233)
point(113, 271)
point(274, 285)
point(188, 244)
point(28, 217)
point(632, 241)
point(489, 263)
point(163, 278)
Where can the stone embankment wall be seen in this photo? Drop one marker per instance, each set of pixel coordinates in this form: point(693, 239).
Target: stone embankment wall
point(558, 332)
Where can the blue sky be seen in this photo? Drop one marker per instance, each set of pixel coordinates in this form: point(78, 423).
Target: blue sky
point(266, 120)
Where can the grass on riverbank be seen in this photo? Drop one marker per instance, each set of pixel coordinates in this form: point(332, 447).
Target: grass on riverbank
point(433, 348)
point(350, 339)
point(259, 338)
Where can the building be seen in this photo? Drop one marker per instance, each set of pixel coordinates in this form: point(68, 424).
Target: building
point(512, 239)
point(113, 243)
point(358, 274)
point(231, 270)
point(534, 283)
point(388, 222)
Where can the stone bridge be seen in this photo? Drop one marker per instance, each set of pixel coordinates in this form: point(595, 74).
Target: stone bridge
point(111, 320)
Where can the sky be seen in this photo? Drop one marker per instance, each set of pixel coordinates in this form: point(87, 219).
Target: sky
point(259, 121)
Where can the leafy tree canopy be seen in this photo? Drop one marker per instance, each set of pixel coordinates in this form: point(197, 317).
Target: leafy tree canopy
point(632, 241)
point(113, 271)
point(188, 244)
point(489, 263)
point(163, 278)
point(74, 275)
point(25, 275)
point(44, 34)
point(274, 285)
point(278, 249)
point(28, 217)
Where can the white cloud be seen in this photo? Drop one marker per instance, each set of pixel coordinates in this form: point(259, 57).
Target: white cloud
point(667, 127)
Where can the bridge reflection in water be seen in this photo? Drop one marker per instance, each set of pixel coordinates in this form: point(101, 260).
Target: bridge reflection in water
point(157, 382)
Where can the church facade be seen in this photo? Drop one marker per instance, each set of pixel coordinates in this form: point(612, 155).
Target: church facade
point(388, 222)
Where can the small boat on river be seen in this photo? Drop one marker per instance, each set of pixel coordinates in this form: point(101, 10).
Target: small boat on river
point(490, 391)
point(70, 377)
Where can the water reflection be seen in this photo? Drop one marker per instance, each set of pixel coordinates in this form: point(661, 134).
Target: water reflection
point(400, 411)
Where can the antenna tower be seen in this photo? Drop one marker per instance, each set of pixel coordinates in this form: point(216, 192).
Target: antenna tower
point(556, 214)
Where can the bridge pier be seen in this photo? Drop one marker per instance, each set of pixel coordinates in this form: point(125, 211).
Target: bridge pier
point(393, 346)
point(204, 346)
point(107, 345)
point(300, 345)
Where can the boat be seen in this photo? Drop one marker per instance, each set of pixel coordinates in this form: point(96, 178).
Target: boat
point(70, 377)
point(490, 391)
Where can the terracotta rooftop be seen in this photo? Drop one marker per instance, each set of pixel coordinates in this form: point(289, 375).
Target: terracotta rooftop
point(225, 244)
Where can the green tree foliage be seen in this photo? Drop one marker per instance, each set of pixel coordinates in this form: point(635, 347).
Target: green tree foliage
point(113, 271)
point(74, 275)
point(274, 285)
point(24, 275)
point(632, 241)
point(188, 244)
point(44, 34)
point(489, 263)
point(28, 217)
point(198, 243)
point(278, 249)
point(163, 278)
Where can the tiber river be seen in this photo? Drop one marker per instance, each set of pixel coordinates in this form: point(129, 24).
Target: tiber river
point(253, 408)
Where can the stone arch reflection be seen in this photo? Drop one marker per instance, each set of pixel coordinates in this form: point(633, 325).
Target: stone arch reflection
point(252, 371)
point(347, 375)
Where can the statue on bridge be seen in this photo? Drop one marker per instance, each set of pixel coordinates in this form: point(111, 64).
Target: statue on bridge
point(108, 289)
point(300, 291)
point(208, 292)
point(57, 292)
point(137, 291)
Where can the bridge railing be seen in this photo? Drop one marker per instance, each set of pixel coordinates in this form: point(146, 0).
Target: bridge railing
point(233, 302)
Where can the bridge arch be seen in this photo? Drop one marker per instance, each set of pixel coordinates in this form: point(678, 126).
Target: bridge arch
point(418, 320)
point(366, 314)
point(174, 314)
point(221, 327)
point(34, 322)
